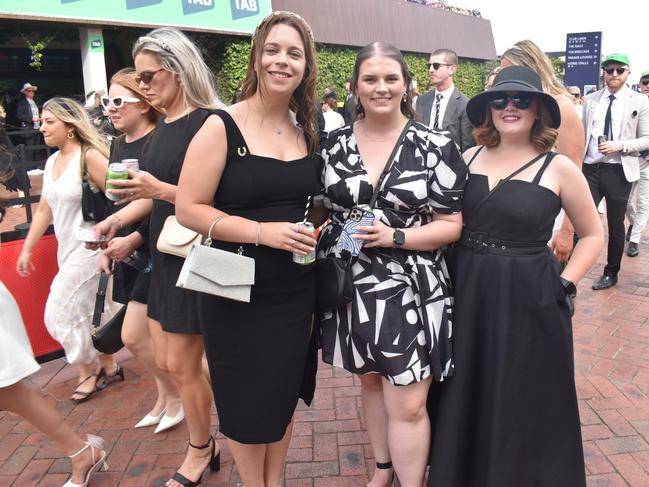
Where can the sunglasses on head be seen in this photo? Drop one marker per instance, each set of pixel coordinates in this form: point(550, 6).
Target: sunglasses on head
point(521, 101)
point(644, 82)
point(436, 66)
point(610, 71)
point(146, 76)
point(117, 101)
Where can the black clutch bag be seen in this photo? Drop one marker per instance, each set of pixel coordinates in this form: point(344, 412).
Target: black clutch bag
point(108, 338)
point(334, 283)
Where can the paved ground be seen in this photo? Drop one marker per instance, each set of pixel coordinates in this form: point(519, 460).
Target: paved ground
point(330, 447)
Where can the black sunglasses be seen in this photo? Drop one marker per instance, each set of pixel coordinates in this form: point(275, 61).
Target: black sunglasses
point(610, 71)
point(521, 101)
point(436, 66)
point(576, 95)
point(645, 82)
point(146, 76)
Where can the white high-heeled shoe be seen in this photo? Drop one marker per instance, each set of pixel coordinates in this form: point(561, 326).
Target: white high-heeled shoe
point(95, 443)
point(150, 420)
point(170, 421)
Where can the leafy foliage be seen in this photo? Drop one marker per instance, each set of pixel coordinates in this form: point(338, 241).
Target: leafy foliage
point(229, 60)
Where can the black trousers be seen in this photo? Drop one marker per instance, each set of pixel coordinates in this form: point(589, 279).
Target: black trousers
point(608, 181)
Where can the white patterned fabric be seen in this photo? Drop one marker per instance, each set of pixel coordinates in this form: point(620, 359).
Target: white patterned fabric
point(399, 324)
point(71, 301)
point(17, 359)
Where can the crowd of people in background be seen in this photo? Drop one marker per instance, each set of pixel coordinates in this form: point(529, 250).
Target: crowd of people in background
point(463, 225)
point(446, 6)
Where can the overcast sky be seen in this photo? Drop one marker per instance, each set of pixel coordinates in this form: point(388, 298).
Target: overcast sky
point(624, 24)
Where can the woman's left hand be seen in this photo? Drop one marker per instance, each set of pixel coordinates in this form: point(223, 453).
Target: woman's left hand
point(119, 248)
point(376, 235)
point(140, 185)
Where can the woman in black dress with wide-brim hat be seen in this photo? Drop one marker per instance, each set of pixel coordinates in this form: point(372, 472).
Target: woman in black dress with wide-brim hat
point(509, 416)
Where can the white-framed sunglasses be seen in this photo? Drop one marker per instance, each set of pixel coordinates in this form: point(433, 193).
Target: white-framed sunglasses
point(117, 101)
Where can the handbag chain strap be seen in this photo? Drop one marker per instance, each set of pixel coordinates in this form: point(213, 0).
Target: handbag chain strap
point(208, 240)
point(99, 302)
point(388, 164)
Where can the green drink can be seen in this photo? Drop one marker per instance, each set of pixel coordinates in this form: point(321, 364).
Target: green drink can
point(116, 170)
point(310, 257)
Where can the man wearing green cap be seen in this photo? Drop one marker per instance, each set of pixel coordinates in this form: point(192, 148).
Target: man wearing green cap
point(637, 211)
point(616, 121)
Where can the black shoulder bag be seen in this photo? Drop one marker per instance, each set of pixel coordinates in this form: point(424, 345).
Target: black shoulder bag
point(108, 338)
point(93, 205)
point(334, 278)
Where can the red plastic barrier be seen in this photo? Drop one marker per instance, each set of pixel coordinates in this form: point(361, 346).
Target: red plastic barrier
point(31, 292)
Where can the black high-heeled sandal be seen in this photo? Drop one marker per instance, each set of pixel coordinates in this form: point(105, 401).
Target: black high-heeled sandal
point(386, 466)
point(214, 465)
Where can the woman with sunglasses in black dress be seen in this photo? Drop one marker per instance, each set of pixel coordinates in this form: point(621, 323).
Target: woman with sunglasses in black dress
point(173, 75)
point(509, 416)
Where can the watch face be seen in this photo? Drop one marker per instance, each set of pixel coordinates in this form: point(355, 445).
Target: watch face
point(399, 237)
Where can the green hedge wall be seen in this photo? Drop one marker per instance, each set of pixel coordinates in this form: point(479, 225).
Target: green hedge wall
point(230, 59)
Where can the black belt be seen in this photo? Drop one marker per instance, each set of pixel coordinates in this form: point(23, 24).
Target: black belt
point(601, 165)
point(480, 243)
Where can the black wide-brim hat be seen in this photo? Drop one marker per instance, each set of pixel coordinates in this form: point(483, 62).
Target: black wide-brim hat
point(519, 79)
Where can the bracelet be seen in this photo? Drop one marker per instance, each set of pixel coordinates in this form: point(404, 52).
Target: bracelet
point(119, 221)
point(258, 231)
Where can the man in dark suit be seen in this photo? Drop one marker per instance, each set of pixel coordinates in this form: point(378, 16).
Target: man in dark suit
point(444, 108)
point(616, 121)
point(349, 106)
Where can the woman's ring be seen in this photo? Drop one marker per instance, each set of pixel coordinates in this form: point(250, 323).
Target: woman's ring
point(132, 193)
point(292, 242)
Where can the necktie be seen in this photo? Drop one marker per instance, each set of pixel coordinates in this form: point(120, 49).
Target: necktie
point(608, 130)
point(438, 101)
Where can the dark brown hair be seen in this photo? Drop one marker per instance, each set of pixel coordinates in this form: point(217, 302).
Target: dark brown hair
point(303, 100)
point(387, 50)
point(542, 136)
point(126, 79)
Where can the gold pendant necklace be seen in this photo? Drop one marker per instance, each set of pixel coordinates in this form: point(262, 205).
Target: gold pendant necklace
point(173, 119)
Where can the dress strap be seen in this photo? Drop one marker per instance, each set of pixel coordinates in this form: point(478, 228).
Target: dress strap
point(236, 143)
point(475, 154)
point(544, 166)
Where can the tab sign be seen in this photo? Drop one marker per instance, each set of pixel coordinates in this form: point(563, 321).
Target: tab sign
point(193, 6)
point(244, 8)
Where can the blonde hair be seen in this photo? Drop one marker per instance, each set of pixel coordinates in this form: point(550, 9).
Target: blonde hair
point(180, 56)
point(126, 79)
point(72, 114)
point(303, 99)
point(526, 53)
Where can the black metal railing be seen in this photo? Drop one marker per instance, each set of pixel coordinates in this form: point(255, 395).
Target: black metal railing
point(29, 157)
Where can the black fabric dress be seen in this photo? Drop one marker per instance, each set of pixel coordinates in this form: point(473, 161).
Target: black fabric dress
point(128, 282)
point(509, 416)
point(173, 307)
point(262, 354)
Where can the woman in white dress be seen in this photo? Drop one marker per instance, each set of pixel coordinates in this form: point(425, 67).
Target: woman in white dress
point(16, 363)
point(70, 304)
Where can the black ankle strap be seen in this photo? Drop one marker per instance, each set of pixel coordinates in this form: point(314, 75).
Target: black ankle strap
point(202, 447)
point(381, 466)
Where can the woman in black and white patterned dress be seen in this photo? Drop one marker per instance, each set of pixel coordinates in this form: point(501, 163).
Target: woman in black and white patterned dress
point(396, 333)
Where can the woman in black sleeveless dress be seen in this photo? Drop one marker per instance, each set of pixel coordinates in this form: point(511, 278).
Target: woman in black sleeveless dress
point(172, 73)
point(252, 169)
point(509, 416)
point(136, 120)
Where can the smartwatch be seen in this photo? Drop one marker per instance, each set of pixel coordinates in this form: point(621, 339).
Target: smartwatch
point(398, 237)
